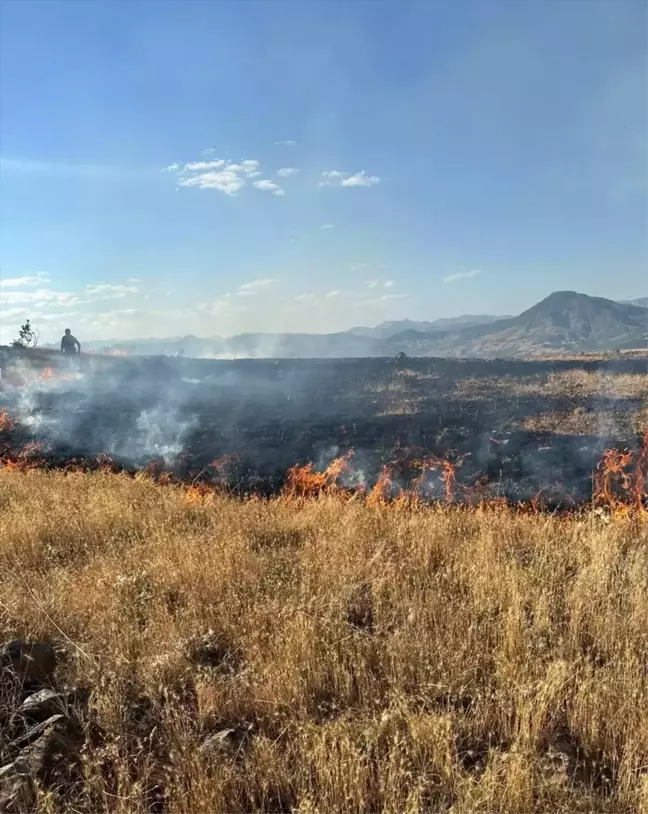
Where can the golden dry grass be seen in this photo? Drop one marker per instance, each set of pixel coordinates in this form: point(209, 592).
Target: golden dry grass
point(427, 660)
point(577, 382)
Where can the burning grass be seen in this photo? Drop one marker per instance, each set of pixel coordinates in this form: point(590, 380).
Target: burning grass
point(376, 656)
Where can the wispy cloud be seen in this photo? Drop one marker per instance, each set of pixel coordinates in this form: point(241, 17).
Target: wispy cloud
point(361, 179)
point(327, 226)
point(379, 283)
point(288, 143)
point(461, 275)
point(338, 178)
point(286, 172)
point(199, 166)
point(255, 286)
point(40, 298)
point(268, 186)
point(105, 291)
point(27, 280)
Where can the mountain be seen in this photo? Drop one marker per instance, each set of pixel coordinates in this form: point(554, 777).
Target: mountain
point(385, 330)
point(642, 302)
point(565, 320)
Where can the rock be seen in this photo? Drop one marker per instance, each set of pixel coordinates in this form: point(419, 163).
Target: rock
point(30, 663)
point(228, 742)
point(34, 732)
point(54, 753)
point(41, 705)
point(17, 790)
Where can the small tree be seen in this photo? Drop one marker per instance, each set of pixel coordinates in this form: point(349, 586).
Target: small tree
point(27, 337)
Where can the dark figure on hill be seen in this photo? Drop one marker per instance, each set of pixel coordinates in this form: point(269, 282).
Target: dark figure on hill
point(70, 344)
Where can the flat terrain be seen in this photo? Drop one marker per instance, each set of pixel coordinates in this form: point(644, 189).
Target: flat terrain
point(356, 657)
point(511, 428)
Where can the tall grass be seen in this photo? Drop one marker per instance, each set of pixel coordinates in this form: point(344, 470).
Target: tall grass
point(382, 659)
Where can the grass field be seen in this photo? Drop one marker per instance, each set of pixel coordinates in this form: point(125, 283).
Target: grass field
point(367, 658)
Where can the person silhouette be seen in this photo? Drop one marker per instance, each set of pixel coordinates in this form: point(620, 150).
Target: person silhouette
point(70, 344)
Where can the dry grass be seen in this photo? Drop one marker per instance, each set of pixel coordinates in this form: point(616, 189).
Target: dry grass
point(387, 660)
point(588, 422)
point(578, 382)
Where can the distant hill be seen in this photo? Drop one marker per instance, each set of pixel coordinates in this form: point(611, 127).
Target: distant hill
point(564, 321)
point(385, 330)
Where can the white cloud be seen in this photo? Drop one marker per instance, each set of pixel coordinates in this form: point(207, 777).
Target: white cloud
point(134, 280)
point(255, 286)
point(332, 294)
point(40, 298)
point(337, 178)
point(286, 172)
point(288, 143)
point(105, 291)
point(171, 168)
point(304, 297)
point(225, 176)
point(379, 283)
point(461, 275)
point(17, 282)
point(251, 167)
point(361, 179)
point(227, 181)
point(327, 226)
point(15, 313)
point(203, 166)
point(268, 186)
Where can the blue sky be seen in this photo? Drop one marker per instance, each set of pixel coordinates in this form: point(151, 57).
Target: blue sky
point(217, 167)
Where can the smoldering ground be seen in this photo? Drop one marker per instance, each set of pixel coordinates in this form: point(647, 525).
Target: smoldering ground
point(260, 417)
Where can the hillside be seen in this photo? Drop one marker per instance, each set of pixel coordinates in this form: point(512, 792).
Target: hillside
point(565, 320)
point(386, 330)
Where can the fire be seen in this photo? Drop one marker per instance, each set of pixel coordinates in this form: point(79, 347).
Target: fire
point(47, 373)
point(620, 479)
point(619, 483)
point(6, 421)
point(306, 481)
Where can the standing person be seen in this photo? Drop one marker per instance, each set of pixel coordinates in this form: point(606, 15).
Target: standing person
point(70, 347)
point(70, 344)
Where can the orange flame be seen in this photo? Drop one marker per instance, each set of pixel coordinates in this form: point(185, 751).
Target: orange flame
point(306, 481)
point(6, 421)
point(618, 484)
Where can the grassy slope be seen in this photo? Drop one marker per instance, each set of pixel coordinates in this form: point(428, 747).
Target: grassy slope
point(541, 622)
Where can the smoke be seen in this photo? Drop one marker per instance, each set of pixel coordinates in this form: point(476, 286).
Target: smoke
point(272, 414)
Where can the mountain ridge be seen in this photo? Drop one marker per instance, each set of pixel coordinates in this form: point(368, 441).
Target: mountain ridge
point(562, 321)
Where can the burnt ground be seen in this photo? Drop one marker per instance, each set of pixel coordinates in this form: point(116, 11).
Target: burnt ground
point(271, 414)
